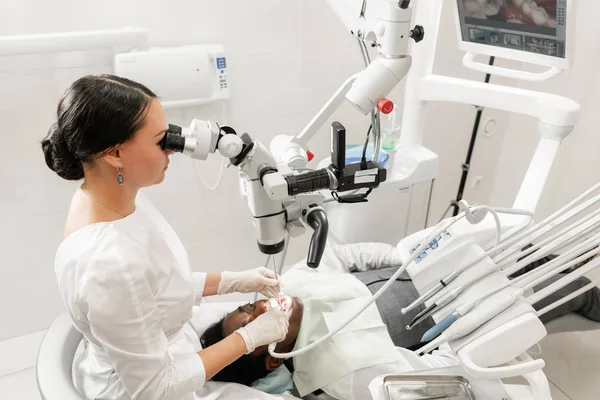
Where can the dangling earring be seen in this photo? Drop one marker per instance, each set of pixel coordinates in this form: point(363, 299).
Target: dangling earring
point(119, 175)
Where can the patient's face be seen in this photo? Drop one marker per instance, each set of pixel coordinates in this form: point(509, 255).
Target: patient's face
point(243, 315)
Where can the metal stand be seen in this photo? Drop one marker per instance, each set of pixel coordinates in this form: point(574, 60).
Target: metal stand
point(467, 164)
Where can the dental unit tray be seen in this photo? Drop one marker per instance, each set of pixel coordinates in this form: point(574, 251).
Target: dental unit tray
point(427, 387)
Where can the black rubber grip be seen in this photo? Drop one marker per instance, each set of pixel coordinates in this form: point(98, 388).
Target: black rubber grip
point(176, 129)
point(318, 221)
point(173, 142)
point(308, 182)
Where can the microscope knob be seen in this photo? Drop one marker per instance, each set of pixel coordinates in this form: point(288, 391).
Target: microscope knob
point(418, 33)
point(230, 146)
point(385, 106)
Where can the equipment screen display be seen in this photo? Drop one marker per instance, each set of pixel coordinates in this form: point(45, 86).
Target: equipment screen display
point(533, 26)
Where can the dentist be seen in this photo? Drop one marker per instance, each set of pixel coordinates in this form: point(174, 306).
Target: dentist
point(123, 273)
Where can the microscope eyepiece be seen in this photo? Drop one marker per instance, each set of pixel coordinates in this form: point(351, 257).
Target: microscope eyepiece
point(172, 142)
point(308, 181)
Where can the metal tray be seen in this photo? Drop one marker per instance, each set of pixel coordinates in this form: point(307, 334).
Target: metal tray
point(427, 387)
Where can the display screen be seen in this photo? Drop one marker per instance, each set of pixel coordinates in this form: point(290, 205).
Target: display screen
point(526, 25)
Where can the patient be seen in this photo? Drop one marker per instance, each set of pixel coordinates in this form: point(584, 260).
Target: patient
point(372, 345)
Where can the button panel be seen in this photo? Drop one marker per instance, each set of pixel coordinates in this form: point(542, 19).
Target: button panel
point(222, 72)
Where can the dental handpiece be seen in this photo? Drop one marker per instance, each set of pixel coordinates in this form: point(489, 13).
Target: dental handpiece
point(431, 292)
point(453, 275)
point(441, 302)
point(464, 325)
point(445, 323)
point(452, 294)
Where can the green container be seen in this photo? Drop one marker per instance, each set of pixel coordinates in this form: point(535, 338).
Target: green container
point(389, 138)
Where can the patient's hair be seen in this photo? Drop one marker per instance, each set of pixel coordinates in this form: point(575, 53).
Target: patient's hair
point(245, 370)
point(95, 114)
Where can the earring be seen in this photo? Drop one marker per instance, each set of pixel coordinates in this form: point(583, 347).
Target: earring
point(119, 175)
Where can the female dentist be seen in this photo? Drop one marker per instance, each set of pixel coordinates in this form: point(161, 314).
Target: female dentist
point(123, 273)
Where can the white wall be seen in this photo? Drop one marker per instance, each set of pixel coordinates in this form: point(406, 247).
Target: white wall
point(285, 59)
point(577, 165)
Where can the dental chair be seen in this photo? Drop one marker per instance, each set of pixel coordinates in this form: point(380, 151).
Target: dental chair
point(55, 359)
point(58, 347)
point(60, 343)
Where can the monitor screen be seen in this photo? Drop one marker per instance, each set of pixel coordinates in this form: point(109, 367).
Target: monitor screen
point(532, 26)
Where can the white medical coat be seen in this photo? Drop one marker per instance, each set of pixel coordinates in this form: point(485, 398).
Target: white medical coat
point(129, 289)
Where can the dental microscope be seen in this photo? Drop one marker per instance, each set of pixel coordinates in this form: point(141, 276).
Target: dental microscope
point(280, 199)
point(282, 193)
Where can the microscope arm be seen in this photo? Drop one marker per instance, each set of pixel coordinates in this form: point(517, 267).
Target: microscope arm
point(390, 32)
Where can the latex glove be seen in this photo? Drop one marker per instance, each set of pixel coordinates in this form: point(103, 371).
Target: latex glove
point(261, 280)
point(270, 327)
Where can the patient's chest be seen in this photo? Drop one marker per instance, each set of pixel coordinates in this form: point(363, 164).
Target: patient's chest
point(323, 287)
point(330, 299)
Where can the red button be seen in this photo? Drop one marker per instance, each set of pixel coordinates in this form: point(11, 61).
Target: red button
point(385, 106)
point(310, 155)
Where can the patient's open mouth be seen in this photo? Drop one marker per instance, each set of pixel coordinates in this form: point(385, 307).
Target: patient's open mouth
point(287, 303)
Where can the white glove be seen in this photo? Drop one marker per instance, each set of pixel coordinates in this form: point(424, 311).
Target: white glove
point(270, 327)
point(261, 280)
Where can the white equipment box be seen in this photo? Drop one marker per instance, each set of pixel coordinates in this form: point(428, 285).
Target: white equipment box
point(180, 76)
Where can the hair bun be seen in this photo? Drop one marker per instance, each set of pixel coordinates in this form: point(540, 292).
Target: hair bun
point(58, 156)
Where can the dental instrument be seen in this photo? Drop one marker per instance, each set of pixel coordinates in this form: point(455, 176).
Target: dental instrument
point(445, 323)
point(562, 215)
point(267, 261)
point(450, 296)
point(426, 313)
point(524, 283)
point(479, 314)
point(444, 282)
point(277, 278)
point(277, 269)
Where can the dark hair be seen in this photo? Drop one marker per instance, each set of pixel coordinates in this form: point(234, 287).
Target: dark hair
point(95, 114)
point(245, 370)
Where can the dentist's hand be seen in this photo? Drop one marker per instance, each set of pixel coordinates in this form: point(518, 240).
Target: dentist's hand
point(267, 328)
point(261, 280)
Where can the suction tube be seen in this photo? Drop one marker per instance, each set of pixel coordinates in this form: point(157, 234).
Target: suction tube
point(317, 219)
